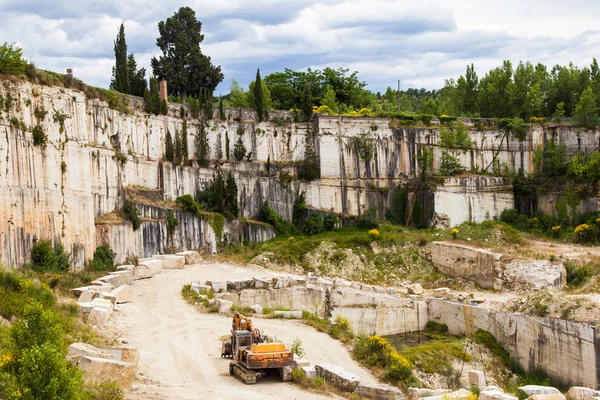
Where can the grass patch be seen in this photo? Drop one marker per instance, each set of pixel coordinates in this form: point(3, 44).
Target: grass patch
point(340, 329)
point(193, 298)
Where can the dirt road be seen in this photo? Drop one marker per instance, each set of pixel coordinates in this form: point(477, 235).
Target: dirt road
point(180, 348)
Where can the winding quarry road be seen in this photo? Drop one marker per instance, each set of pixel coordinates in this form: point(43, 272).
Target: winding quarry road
point(180, 348)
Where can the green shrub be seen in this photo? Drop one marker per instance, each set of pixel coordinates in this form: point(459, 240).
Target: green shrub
point(297, 348)
point(11, 59)
point(375, 351)
point(39, 136)
point(172, 223)
point(282, 227)
point(104, 259)
point(45, 258)
point(368, 219)
point(188, 203)
point(106, 391)
point(331, 222)
point(313, 225)
point(436, 327)
point(130, 213)
point(46, 374)
point(577, 275)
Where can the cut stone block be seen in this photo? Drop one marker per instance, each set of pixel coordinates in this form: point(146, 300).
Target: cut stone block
point(257, 309)
point(356, 285)
point(378, 392)
point(191, 257)
point(171, 261)
point(121, 268)
point(280, 282)
point(85, 308)
point(109, 296)
point(98, 282)
point(441, 292)
point(296, 280)
point(582, 393)
point(537, 389)
point(97, 370)
point(310, 372)
point(126, 275)
point(299, 362)
point(114, 280)
point(77, 350)
point(547, 397)
point(224, 305)
point(200, 287)
point(130, 355)
point(122, 294)
point(233, 297)
point(98, 316)
point(288, 314)
point(477, 378)
point(87, 296)
point(237, 285)
point(147, 269)
point(260, 283)
point(416, 393)
point(495, 395)
point(217, 286)
point(338, 377)
point(415, 289)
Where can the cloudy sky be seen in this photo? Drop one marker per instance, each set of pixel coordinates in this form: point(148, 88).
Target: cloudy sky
point(420, 42)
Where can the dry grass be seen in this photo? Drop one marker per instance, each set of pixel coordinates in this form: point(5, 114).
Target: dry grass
point(111, 218)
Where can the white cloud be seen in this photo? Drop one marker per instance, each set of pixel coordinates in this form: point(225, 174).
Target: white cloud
point(421, 42)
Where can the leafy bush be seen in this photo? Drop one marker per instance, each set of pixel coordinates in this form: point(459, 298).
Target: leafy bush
point(45, 258)
point(436, 327)
point(297, 348)
point(331, 222)
point(106, 391)
point(314, 225)
point(282, 227)
point(130, 213)
point(39, 136)
point(587, 233)
point(172, 223)
point(577, 275)
point(104, 258)
point(368, 219)
point(188, 203)
point(375, 351)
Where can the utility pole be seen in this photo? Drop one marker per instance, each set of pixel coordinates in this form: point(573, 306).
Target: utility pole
point(399, 97)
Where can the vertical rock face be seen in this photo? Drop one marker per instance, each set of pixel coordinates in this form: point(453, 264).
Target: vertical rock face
point(94, 153)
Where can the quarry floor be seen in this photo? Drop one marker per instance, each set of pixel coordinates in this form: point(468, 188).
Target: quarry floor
point(180, 348)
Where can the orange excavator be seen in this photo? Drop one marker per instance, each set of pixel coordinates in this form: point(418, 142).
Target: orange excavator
point(252, 355)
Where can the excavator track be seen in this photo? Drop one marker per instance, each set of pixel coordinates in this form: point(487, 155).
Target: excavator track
point(242, 373)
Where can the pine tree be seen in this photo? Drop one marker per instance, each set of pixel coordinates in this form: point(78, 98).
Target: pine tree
point(239, 150)
point(227, 152)
point(169, 151)
point(120, 81)
point(218, 148)
point(231, 195)
point(258, 97)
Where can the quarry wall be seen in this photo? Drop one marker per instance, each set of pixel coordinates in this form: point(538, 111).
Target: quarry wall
point(94, 153)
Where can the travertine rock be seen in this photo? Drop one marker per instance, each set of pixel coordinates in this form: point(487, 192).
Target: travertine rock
point(147, 269)
point(122, 294)
point(260, 283)
point(441, 292)
point(495, 395)
point(338, 377)
point(191, 257)
point(97, 370)
point(537, 389)
point(477, 378)
point(114, 280)
point(256, 309)
point(559, 396)
point(415, 289)
point(127, 275)
point(78, 291)
point(535, 274)
point(582, 393)
point(236, 285)
point(310, 372)
point(378, 392)
point(217, 286)
point(280, 282)
point(171, 261)
point(416, 393)
point(78, 350)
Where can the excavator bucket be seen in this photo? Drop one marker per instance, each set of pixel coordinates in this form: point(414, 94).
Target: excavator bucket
point(226, 349)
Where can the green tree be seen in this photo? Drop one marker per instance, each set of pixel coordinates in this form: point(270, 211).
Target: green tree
point(237, 96)
point(11, 59)
point(120, 81)
point(239, 150)
point(564, 87)
point(258, 97)
point(456, 141)
point(266, 95)
point(221, 109)
point(178, 154)
point(231, 196)
point(494, 92)
point(218, 148)
point(559, 113)
point(202, 146)
point(169, 148)
point(182, 62)
point(227, 149)
point(586, 111)
point(329, 99)
point(152, 102)
point(137, 77)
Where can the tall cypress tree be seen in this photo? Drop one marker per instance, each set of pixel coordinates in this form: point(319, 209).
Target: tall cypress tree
point(227, 150)
point(258, 97)
point(221, 109)
point(169, 150)
point(231, 195)
point(120, 80)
